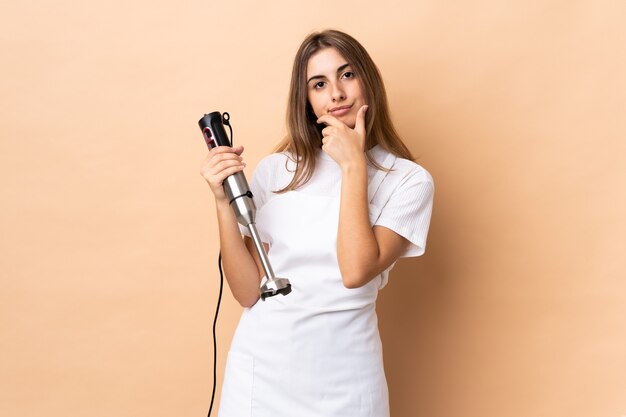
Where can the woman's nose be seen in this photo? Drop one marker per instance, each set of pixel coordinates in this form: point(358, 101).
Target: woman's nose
point(337, 93)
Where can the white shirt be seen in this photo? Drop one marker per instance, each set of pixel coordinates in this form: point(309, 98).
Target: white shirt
point(403, 202)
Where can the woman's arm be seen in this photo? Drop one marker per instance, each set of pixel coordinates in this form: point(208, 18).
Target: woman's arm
point(242, 267)
point(363, 251)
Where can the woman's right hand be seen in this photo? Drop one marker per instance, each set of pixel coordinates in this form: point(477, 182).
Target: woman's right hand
point(221, 162)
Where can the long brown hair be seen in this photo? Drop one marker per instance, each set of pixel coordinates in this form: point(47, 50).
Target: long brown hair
point(303, 138)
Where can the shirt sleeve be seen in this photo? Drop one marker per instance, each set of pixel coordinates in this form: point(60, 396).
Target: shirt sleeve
point(408, 211)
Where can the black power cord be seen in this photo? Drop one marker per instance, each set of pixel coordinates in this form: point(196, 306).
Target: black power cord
point(217, 310)
point(225, 119)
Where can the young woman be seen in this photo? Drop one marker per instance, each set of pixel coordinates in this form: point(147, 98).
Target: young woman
point(337, 204)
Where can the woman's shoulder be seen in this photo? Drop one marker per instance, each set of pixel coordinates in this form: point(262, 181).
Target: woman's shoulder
point(275, 171)
point(276, 157)
point(402, 170)
point(410, 170)
point(276, 161)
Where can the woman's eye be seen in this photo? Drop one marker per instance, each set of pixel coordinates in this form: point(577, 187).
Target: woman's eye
point(348, 74)
point(319, 84)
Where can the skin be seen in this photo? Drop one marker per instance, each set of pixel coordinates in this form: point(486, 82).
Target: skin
point(332, 84)
point(242, 266)
point(363, 252)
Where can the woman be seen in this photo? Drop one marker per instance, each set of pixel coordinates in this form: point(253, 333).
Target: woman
point(337, 204)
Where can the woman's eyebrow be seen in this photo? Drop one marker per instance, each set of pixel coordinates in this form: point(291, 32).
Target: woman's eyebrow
point(342, 67)
point(315, 77)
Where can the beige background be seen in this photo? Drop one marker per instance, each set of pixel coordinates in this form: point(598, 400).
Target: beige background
point(108, 243)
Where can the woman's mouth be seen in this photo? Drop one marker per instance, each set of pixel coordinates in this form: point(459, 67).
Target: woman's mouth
point(340, 111)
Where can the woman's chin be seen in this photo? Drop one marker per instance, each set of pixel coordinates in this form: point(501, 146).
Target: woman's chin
point(349, 120)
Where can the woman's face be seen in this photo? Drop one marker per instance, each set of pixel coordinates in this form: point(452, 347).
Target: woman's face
point(332, 87)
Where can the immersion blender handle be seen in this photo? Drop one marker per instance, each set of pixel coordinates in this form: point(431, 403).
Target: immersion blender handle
point(212, 126)
point(235, 186)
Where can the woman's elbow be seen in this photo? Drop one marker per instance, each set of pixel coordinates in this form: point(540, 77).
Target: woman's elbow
point(248, 300)
point(355, 280)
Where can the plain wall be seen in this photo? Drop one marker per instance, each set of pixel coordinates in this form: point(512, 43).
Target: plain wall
point(109, 243)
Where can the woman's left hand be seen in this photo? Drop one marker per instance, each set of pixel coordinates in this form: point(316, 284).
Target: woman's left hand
point(343, 144)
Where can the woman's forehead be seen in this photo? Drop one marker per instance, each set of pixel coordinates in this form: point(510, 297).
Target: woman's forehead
point(325, 62)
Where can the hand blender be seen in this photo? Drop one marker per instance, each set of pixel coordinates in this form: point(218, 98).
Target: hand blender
point(238, 192)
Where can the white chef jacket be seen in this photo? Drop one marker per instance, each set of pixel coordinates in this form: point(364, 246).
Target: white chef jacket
point(317, 352)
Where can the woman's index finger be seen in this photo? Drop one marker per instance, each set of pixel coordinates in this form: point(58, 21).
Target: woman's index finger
point(330, 120)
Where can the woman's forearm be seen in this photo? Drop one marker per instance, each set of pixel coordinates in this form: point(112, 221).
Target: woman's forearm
point(357, 248)
point(240, 268)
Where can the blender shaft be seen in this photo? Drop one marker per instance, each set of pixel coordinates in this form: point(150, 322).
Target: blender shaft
point(269, 272)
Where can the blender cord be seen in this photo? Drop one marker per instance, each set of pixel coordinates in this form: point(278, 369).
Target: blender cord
point(217, 310)
point(225, 119)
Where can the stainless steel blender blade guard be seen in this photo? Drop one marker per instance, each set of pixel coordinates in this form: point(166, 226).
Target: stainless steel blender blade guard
point(274, 287)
